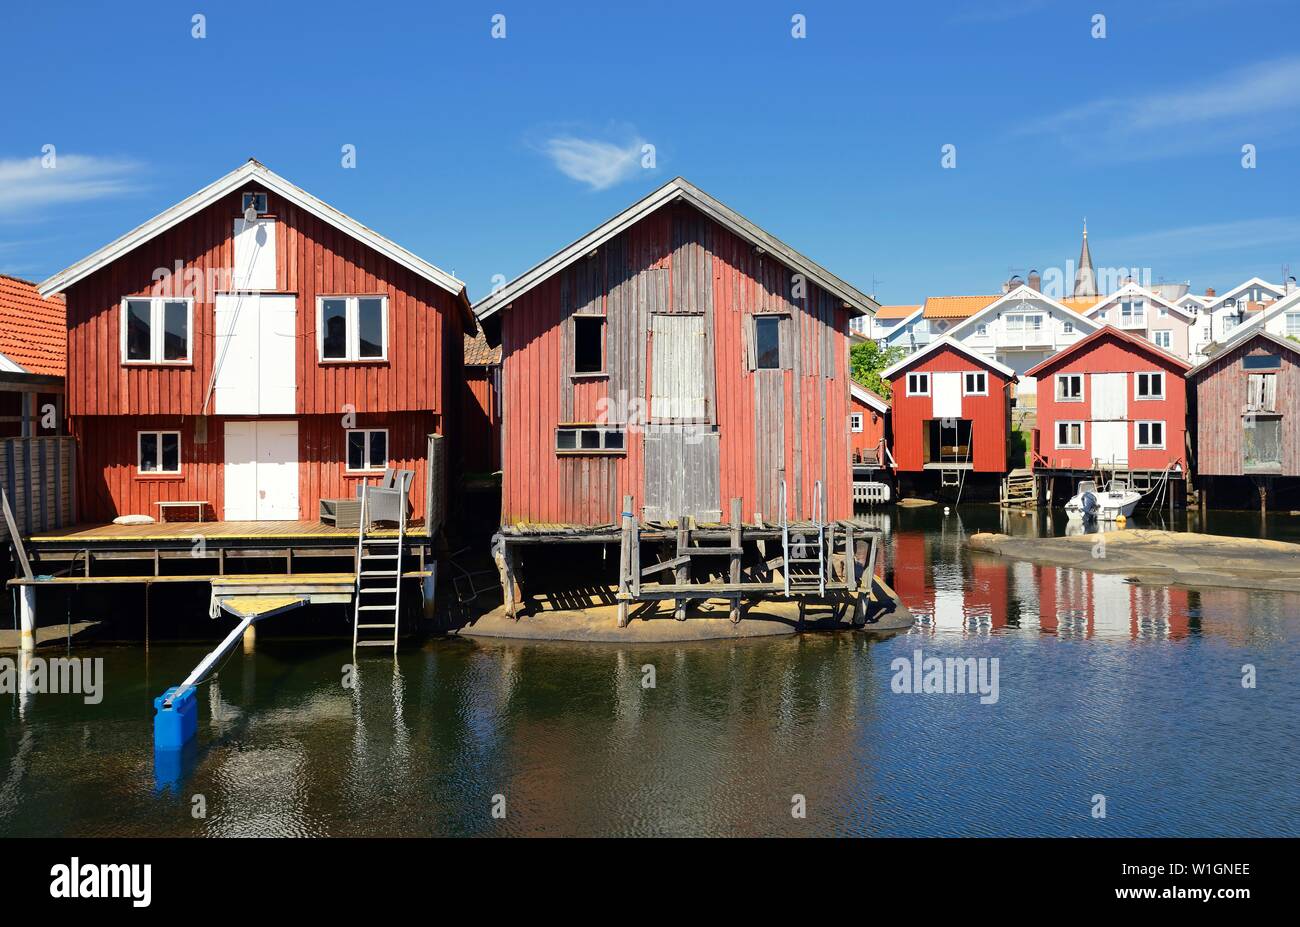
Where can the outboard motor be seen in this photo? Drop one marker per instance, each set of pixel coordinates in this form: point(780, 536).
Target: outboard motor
point(1089, 503)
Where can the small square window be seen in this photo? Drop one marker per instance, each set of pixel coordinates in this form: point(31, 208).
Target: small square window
point(158, 452)
point(367, 449)
point(918, 384)
point(1150, 435)
point(855, 422)
point(352, 328)
point(156, 330)
point(975, 383)
point(588, 344)
point(1150, 386)
point(1069, 435)
point(1069, 387)
point(566, 439)
point(256, 200)
point(1163, 338)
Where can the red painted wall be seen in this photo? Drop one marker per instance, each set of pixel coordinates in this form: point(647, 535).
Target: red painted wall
point(873, 428)
point(990, 415)
point(481, 420)
point(1111, 354)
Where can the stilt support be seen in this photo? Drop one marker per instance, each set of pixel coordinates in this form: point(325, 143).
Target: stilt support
point(27, 617)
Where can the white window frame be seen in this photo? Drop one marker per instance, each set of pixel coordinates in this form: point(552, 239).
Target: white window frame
point(1061, 378)
point(353, 329)
point(365, 450)
point(856, 420)
point(1067, 327)
point(156, 331)
point(139, 452)
point(1150, 397)
point(965, 391)
point(250, 194)
point(1291, 323)
point(1067, 446)
point(1168, 337)
point(982, 328)
point(922, 377)
point(1137, 432)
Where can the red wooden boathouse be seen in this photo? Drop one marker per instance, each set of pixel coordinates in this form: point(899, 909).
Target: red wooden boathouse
point(868, 426)
point(1113, 401)
point(254, 349)
point(950, 411)
point(679, 355)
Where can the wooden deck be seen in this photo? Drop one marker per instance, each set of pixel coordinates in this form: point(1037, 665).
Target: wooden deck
point(187, 531)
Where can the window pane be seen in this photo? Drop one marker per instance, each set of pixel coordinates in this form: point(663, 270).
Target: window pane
point(614, 440)
point(566, 439)
point(356, 450)
point(588, 345)
point(171, 452)
point(148, 452)
point(176, 331)
point(767, 343)
point(590, 440)
point(378, 449)
point(370, 319)
point(137, 330)
point(334, 322)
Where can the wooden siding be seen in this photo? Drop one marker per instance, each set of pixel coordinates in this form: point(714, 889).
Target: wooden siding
point(480, 426)
point(313, 258)
point(38, 476)
point(873, 428)
point(1220, 403)
point(109, 486)
point(1111, 354)
point(769, 423)
point(989, 415)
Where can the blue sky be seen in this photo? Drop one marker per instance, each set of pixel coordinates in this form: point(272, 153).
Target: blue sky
point(486, 155)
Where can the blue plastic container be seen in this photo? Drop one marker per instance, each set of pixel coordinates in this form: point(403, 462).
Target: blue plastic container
point(175, 725)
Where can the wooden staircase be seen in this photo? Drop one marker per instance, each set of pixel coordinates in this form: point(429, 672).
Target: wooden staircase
point(1019, 488)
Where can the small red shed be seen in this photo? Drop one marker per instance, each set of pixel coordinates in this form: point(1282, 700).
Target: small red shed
point(1113, 400)
point(950, 410)
point(868, 426)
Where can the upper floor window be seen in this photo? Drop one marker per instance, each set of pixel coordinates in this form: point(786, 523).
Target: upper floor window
point(158, 451)
point(1164, 338)
point(352, 328)
point(767, 342)
point(975, 383)
point(855, 422)
point(156, 330)
point(588, 344)
point(918, 384)
point(1067, 327)
point(1069, 387)
point(1150, 386)
point(981, 329)
point(256, 200)
point(1293, 323)
point(1149, 434)
point(1132, 312)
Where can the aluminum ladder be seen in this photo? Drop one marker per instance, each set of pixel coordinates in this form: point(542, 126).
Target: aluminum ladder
point(801, 551)
point(377, 594)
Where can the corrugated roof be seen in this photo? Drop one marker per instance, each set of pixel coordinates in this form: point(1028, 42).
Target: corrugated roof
point(955, 307)
point(33, 331)
point(895, 312)
point(478, 353)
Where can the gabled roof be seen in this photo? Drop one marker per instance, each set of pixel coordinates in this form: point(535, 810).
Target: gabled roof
point(1135, 341)
point(1287, 343)
point(478, 353)
point(1260, 319)
point(1020, 293)
point(1199, 300)
point(870, 397)
point(954, 307)
point(1220, 298)
point(33, 331)
point(678, 189)
point(892, 371)
point(255, 173)
point(1133, 289)
point(894, 312)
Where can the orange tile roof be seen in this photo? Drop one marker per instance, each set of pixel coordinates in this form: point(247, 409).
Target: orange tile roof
point(33, 331)
point(1080, 306)
point(895, 312)
point(956, 307)
point(478, 353)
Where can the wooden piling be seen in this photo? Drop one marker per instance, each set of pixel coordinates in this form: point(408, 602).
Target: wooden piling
point(735, 558)
point(683, 571)
point(624, 560)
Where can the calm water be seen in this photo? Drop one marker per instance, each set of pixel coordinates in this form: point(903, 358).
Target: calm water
point(1106, 687)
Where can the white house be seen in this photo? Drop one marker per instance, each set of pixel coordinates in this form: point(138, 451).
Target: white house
point(932, 320)
point(1020, 329)
point(1230, 310)
point(1280, 317)
point(1139, 311)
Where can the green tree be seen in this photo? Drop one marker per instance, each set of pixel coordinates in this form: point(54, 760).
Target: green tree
point(867, 359)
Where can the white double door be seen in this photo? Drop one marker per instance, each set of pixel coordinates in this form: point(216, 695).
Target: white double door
point(1109, 417)
point(256, 341)
point(261, 471)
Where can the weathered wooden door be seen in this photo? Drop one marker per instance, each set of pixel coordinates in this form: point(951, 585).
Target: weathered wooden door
point(682, 472)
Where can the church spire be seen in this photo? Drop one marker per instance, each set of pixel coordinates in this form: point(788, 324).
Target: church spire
point(1085, 278)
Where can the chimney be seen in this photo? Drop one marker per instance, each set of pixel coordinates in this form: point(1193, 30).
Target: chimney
point(1036, 281)
point(1011, 284)
point(1290, 285)
point(1209, 291)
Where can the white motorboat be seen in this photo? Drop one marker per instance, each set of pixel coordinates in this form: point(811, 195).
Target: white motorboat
point(1105, 505)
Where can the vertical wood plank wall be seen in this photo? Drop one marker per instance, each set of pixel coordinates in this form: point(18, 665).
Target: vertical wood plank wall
point(1221, 399)
point(792, 421)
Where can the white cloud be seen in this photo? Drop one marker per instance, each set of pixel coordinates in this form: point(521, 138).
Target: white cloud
point(1172, 122)
point(1188, 242)
point(598, 164)
point(28, 188)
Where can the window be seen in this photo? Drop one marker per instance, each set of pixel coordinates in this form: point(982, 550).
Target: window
point(588, 344)
point(1164, 338)
point(982, 329)
point(158, 451)
point(855, 422)
point(1293, 323)
point(1164, 311)
point(1067, 327)
point(1229, 323)
point(1261, 392)
point(1132, 313)
point(1069, 387)
point(975, 383)
point(1261, 362)
point(156, 330)
point(256, 200)
point(1027, 324)
point(1069, 435)
point(767, 342)
point(1150, 434)
point(589, 440)
point(367, 449)
point(1150, 386)
point(352, 328)
point(918, 384)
